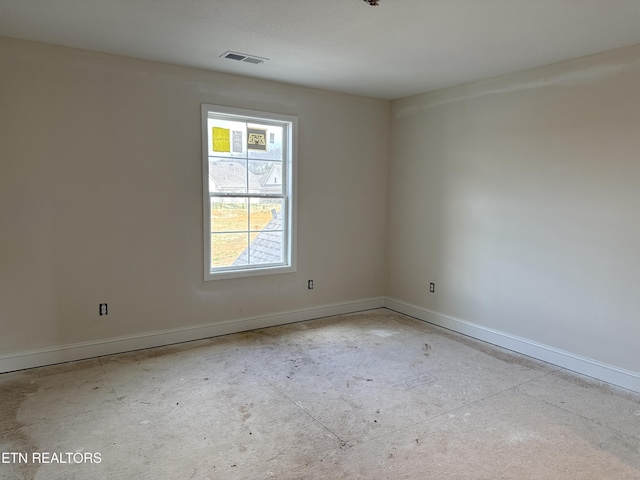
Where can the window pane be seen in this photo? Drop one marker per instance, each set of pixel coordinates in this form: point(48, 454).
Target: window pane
point(226, 248)
point(264, 141)
point(268, 175)
point(266, 214)
point(230, 176)
point(266, 247)
point(229, 215)
point(229, 139)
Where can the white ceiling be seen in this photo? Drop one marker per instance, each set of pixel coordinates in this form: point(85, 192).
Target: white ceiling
point(399, 48)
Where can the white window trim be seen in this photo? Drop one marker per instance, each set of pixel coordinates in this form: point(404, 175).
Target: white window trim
point(290, 163)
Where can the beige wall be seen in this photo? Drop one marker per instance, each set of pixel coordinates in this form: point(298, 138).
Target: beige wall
point(100, 197)
point(519, 197)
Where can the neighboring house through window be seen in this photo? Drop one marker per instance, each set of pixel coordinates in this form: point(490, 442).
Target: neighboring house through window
point(249, 186)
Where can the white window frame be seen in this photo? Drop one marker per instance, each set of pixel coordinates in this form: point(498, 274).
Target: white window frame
point(289, 180)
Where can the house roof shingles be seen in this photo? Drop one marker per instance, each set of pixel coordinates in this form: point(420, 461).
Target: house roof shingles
point(232, 176)
point(267, 246)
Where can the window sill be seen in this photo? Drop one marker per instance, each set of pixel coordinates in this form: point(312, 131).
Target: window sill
point(254, 272)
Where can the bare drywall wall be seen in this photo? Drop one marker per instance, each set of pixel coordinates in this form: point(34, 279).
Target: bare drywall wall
point(519, 198)
point(100, 197)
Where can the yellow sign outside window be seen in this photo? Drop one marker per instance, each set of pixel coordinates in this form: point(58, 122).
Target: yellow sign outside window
point(221, 141)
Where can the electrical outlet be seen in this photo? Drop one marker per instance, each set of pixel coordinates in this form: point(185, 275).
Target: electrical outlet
point(310, 284)
point(103, 310)
point(432, 287)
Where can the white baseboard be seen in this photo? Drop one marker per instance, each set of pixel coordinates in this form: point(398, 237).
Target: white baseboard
point(576, 363)
point(79, 351)
point(67, 353)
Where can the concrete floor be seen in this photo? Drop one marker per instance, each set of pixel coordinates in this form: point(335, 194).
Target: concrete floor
point(374, 395)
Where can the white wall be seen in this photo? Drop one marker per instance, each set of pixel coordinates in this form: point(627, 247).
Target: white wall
point(100, 199)
point(519, 197)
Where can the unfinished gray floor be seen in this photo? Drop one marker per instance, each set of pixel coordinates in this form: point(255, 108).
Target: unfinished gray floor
point(373, 395)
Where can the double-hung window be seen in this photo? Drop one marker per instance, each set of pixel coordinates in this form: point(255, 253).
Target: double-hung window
point(249, 186)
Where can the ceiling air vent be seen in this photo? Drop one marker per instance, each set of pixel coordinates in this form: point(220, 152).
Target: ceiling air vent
point(243, 57)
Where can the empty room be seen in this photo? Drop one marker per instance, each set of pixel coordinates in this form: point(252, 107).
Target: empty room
point(327, 239)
